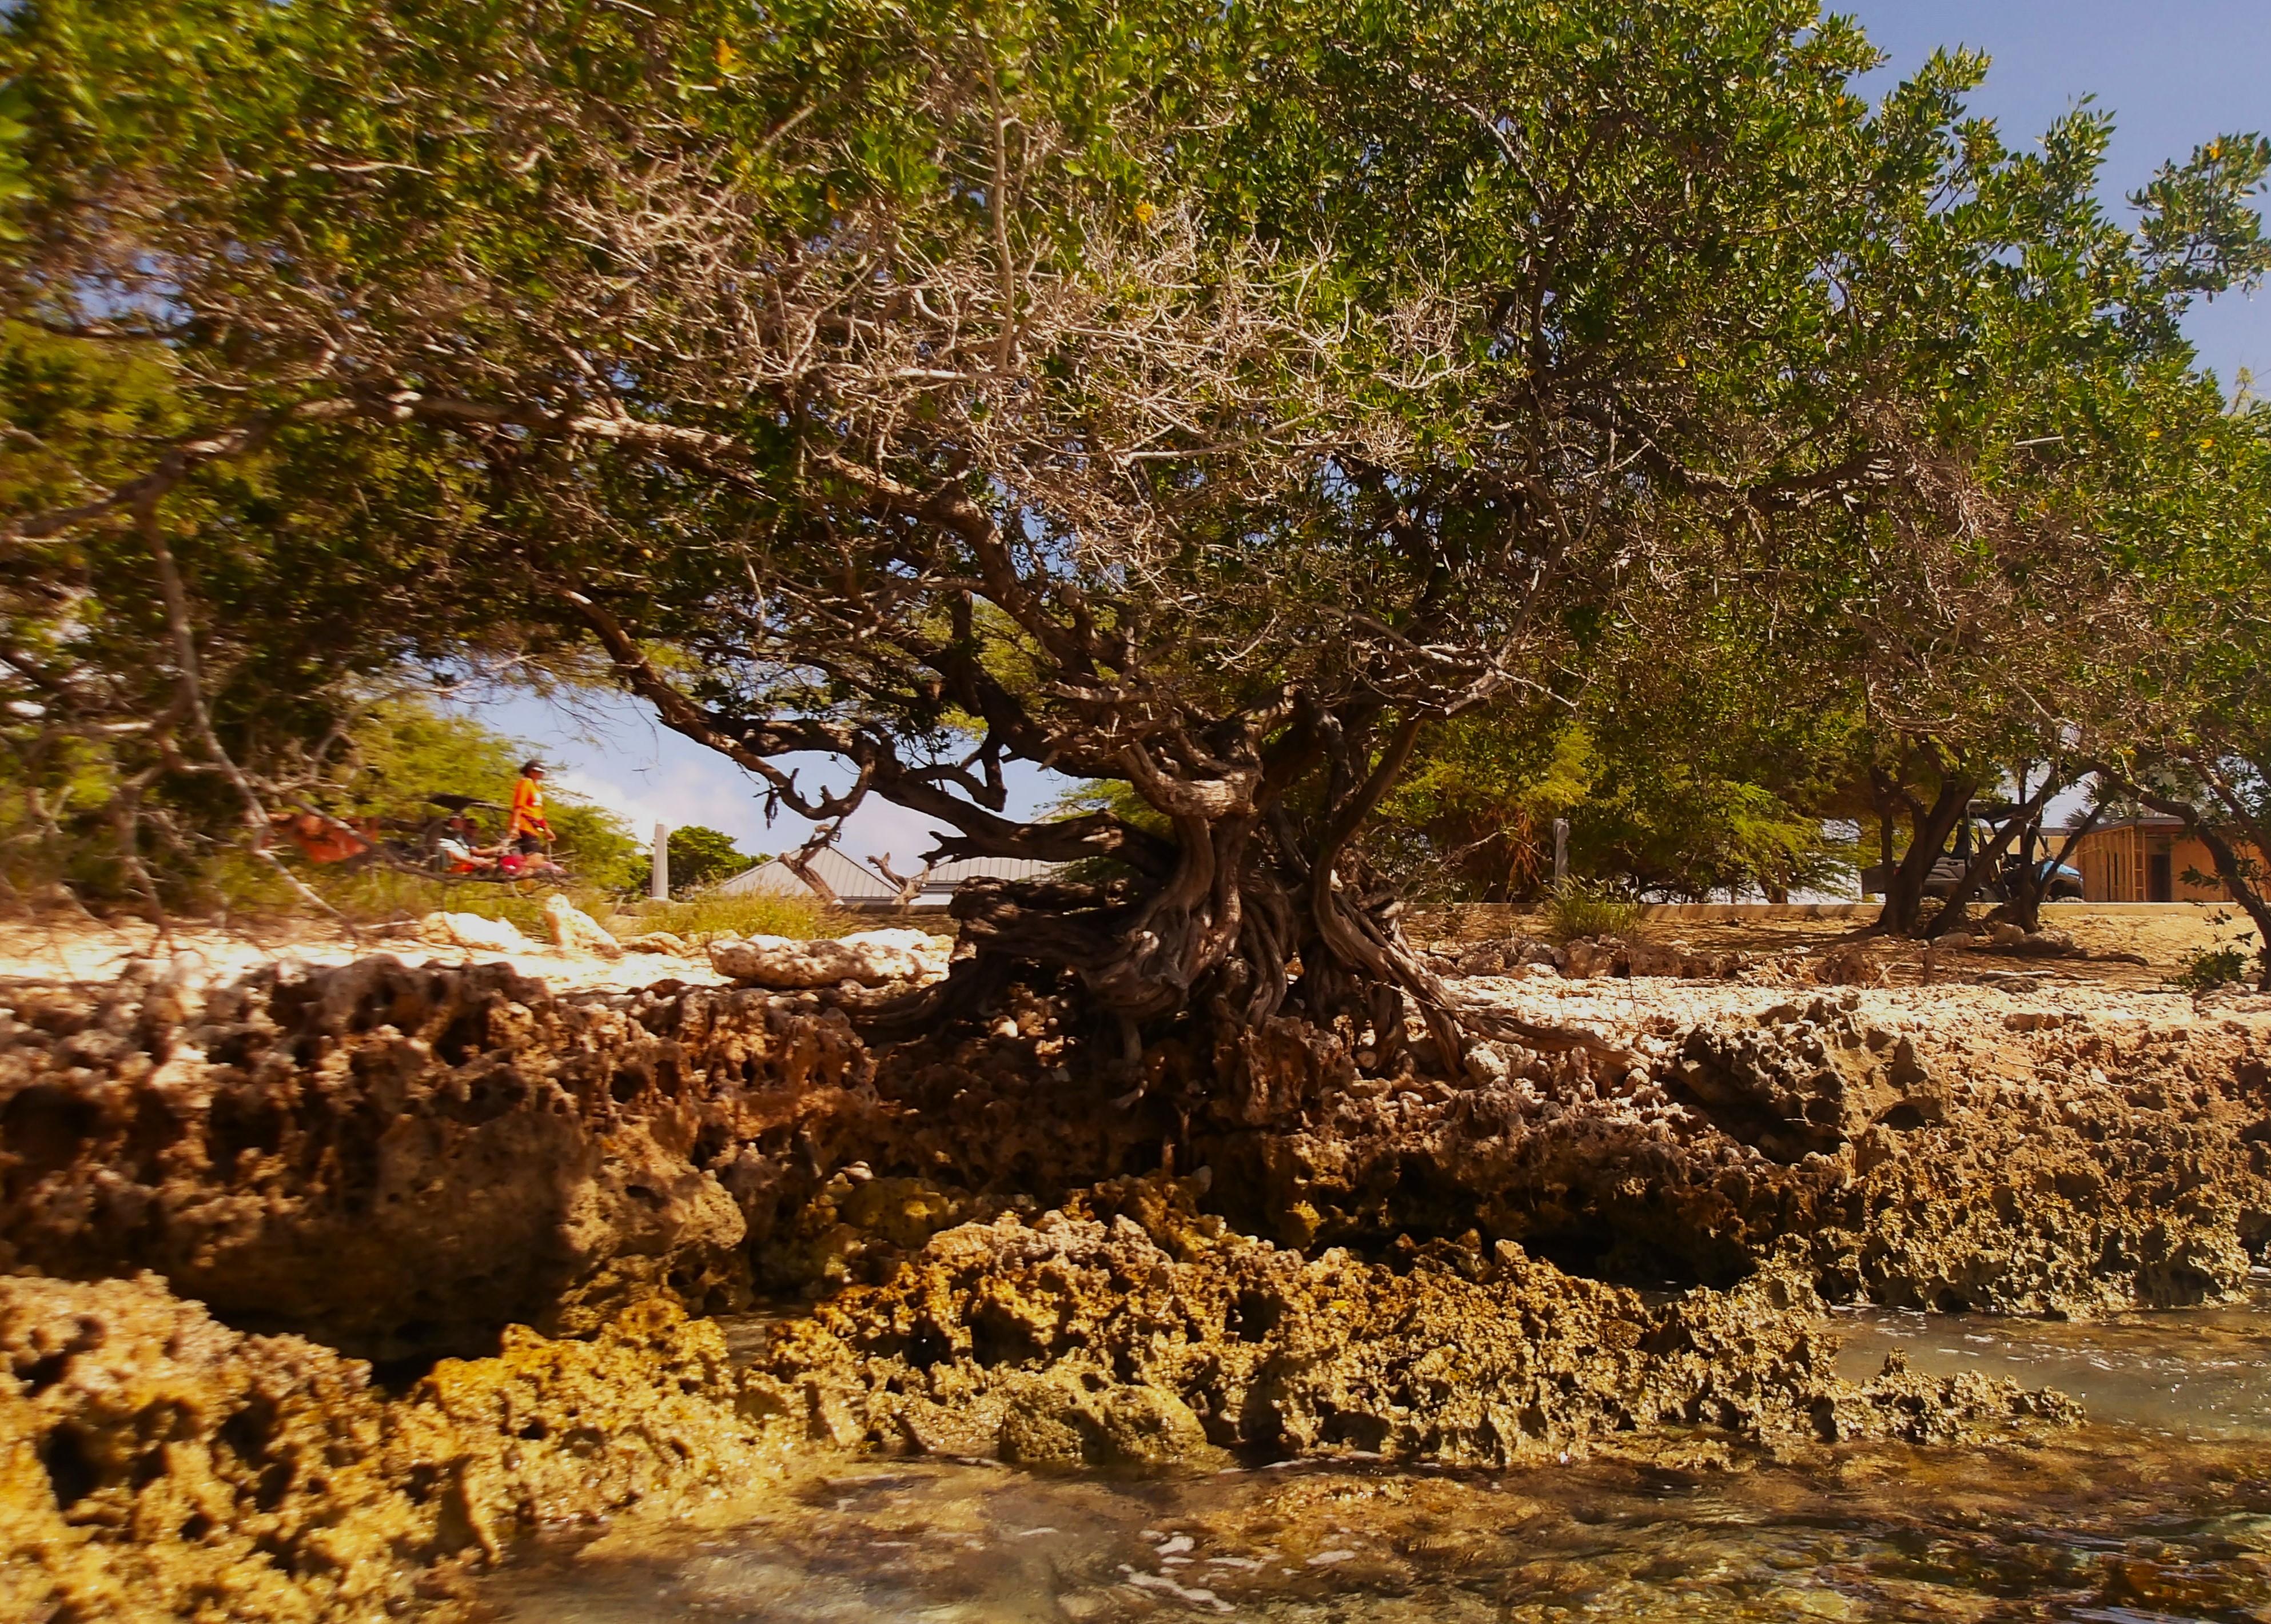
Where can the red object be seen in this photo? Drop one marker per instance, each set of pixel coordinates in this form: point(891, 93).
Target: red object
point(322, 839)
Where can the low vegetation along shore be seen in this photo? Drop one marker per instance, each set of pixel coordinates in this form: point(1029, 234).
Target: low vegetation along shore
point(324, 1285)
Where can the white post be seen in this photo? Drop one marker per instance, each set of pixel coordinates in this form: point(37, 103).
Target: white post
point(658, 878)
point(1560, 850)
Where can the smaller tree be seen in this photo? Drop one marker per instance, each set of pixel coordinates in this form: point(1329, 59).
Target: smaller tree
point(700, 856)
point(2193, 736)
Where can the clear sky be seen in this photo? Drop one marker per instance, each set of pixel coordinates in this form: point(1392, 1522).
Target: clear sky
point(2174, 73)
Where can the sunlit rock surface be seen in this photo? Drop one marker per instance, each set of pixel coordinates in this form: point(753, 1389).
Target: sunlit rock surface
point(160, 1465)
point(1075, 1339)
point(870, 959)
point(400, 1161)
point(397, 1161)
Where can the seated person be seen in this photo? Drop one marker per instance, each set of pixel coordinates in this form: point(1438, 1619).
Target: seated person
point(458, 849)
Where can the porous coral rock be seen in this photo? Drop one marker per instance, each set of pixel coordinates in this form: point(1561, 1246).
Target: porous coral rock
point(933, 952)
point(400, 1161)
point(1066, 1418)
point(1646, 958)
point(785, 963)
point(184, 1471)
point(551, 1430)
point(158, 1464)
point(1064, 1338)
point(1588, 956)
point(573, 930)
point(1805, 1080)
point(1948, 1148)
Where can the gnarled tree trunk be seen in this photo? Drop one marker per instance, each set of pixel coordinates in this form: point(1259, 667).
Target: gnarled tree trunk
point(2025, 909)
point(1250, 968)
point(1902, 913)
point(1240, 936)
point(1954, 909)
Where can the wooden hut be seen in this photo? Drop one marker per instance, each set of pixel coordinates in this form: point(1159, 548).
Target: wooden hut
point(2144, 860)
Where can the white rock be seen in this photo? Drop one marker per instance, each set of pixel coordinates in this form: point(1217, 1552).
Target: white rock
point(934, 951)
point(1590, 956)
point(573, 930)
point(784, 963)
point(911, 941)
point(471, 930)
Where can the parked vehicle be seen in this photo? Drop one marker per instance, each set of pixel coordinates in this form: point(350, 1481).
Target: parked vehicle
point(2065, 883)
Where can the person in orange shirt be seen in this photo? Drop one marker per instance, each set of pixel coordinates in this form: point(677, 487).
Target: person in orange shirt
point(527, 831)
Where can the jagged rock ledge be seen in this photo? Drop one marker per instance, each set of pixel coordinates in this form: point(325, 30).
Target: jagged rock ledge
point(1132, 1329)
point(1951, 1148)
point(399, 1162)
point(155, 1463)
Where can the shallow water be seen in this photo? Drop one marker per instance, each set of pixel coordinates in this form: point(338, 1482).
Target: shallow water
point(2189, 1373)
point(2158, 1510)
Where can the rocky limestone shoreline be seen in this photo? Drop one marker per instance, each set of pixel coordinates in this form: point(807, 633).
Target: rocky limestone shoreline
point(160, 1464)
point(218, 1201)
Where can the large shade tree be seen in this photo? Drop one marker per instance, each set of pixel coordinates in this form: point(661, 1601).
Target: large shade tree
point(1203, 400)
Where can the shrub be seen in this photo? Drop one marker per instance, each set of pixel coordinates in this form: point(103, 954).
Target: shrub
point(700, 856)
point(2213, 967)
point(1582, 908)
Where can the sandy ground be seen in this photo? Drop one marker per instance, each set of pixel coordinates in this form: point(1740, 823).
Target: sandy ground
point(81, 951)
point(2165, 935)
point(1648, 1010)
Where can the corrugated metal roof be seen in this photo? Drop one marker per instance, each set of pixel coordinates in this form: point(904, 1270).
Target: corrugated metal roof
point(947, 876)
point(851, 881)
point(857, 884)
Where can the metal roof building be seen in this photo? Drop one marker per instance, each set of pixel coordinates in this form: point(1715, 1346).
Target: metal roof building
point(858, 885)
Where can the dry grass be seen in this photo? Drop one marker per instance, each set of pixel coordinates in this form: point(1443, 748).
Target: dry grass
point(704, 919)
point(382, 895)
